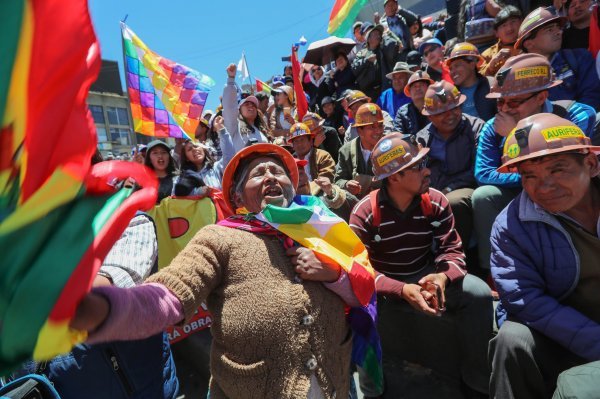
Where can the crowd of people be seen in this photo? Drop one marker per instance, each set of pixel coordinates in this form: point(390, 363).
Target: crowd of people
point(441, 146)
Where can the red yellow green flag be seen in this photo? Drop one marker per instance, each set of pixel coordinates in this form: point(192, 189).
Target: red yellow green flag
point(59, 216)
point(342, 16)
point(262, 86)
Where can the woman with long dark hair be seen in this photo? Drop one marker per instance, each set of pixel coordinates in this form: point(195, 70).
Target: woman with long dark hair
point(159, 159)
point(199, 168)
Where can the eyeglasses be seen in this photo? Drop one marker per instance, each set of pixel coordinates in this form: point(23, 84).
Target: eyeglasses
point(421, 165)
point(514, 103)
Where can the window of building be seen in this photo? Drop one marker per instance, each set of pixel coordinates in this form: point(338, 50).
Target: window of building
point(117, 116)
point(97, 113)
point(101, 132)
point(121, 136)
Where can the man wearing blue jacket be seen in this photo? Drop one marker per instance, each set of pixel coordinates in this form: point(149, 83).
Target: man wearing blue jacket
point(545, 250)
point(541, 33)
point(521, 90)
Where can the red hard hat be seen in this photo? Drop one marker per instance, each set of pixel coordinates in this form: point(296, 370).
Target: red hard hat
point(265, 149)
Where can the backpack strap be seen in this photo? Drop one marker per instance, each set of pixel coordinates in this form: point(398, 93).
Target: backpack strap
point(375, 208)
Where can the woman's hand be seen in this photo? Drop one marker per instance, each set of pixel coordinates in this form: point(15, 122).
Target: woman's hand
point(288, 117)
point(309, 267)
point(91, 313)
point(218, 123)
point(231, 70)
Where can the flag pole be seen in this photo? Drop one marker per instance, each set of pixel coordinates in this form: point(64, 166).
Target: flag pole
point(249, 75)
point(132, 134)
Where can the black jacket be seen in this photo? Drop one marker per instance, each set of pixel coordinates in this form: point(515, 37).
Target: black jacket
point(332, 142)
point(409, 119)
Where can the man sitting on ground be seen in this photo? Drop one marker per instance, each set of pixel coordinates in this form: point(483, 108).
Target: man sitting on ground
point(506, 26)
point(545, 250)
point(521, 90)
point(408, 229)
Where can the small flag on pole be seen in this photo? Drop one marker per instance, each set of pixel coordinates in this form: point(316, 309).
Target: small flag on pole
point(242, 68)
point(262, 86)
point(301, 103)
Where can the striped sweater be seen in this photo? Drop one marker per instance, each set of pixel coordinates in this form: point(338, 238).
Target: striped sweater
point(407, 242)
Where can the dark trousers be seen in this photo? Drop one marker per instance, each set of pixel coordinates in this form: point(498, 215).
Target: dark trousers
point(469, 309)
point(525, 363)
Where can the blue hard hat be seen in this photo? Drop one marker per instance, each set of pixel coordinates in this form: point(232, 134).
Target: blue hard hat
point(429, 42)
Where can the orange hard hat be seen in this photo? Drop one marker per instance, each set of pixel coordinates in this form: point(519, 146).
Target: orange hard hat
point(465, 50)
point(357, 96)
point(368, 114)
point(299, 129)
point(418, 76)
point(254, 151)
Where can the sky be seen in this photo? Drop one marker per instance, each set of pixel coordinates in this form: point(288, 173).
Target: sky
point(208, 35)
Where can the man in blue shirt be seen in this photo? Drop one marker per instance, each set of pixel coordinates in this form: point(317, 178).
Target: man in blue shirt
point(393, 98)
point(541, 33)
point(521, 90)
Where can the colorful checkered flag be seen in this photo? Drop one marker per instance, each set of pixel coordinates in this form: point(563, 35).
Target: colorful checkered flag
point(166, 98)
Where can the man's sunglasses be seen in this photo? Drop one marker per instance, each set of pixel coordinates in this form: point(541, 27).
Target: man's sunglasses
point(421, 165)
point(513, 103)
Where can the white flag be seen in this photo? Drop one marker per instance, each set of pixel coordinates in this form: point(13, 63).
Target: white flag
point(242, 68)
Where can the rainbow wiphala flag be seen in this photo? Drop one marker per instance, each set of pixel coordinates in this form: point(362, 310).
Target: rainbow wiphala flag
point(59, 217)
point(166, 98)
point(310, 223)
